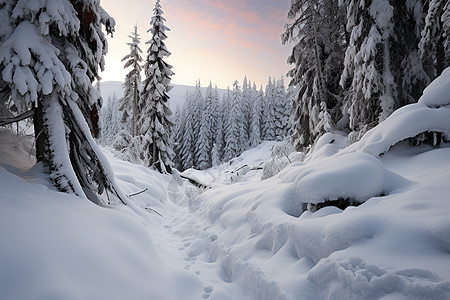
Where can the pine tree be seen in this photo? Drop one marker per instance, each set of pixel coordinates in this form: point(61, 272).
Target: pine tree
point(281, 119)
point(409, 73)
point(49, 63)
point(187, 147)
point(318, 32)
point(269, 112)
point(368, 64)
point(110, 120)
point(180, 123)
point(434, 45)
point(255, 126)
point(246, 108)
point(218, 136)
point(130, 99)
point(227, 124)
point(205, 141)
point(233, 133)
point(153, 122)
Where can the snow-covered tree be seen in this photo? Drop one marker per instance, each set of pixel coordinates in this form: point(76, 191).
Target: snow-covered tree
point(318, 35)
point(368, 64)
point(177, 136)
point(205, 139)
point(154, 121)
point(130, 99)
point(50, 53)
point(196, 108)
point(187, 147)
point(219, 117)
point(434, 45)
point(257, 99)
point(246, 107)
point(268, 114)
point(110, 120)
point(281, 119)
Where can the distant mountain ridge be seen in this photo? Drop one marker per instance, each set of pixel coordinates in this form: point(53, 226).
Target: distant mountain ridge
point(177, 94)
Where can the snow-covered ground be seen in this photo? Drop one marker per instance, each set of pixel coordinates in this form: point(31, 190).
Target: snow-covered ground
point(243, 238)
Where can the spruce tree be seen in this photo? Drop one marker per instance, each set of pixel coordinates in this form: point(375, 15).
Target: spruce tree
point(269, 112)
point(205, 141)
point(130, 99)
point(318, 34)
point(233, 133)
point(196, 111)
point(219, 116)
point(434, 46)
point(178, 133)
point(154, 123)
point(48, 60)
point(255, 126)
point(281, 119)
point(246, 108)
point(110, 120)
point(227, 124)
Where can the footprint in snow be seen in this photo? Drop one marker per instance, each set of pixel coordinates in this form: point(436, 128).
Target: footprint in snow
point(208, 290)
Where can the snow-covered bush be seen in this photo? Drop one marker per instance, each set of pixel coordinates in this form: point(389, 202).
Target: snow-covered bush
point(129, 148)
point(280, 158)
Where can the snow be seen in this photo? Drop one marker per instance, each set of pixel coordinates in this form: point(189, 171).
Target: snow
point(406, 122)
point(437, 94)
point(246, 238)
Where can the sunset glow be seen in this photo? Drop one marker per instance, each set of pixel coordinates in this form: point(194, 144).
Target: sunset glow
point(209, 39)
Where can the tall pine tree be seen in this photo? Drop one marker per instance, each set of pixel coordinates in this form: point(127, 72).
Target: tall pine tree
point(130, 99)
point(154, 123)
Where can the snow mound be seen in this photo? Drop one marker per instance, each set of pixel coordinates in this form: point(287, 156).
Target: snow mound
point(354, 176)
point(406, 122)
point(437, 94)
point(431, 114)
point(59, 246)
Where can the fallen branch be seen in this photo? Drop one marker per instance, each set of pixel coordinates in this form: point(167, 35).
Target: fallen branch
point(137, 193)
point(151, 209)
point(194, 182)
point(238, 169)
point(25, 115)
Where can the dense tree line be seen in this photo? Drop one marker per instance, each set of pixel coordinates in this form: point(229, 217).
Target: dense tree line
point(210, 130)
point(357, 61)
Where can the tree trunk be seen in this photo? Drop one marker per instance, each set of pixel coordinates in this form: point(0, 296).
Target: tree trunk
point(40, 136)
point(135, 109)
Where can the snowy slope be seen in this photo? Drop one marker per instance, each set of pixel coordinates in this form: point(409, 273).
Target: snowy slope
point(396, 245)
point(245, 238)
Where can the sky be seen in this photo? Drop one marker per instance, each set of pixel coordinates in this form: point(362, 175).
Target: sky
point(210, 40)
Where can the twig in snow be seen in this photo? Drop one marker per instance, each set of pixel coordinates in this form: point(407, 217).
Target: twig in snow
point(137, 193)
point(151, 209)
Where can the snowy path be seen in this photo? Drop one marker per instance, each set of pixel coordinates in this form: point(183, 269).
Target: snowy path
point(179, 240)
point(188, 241)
